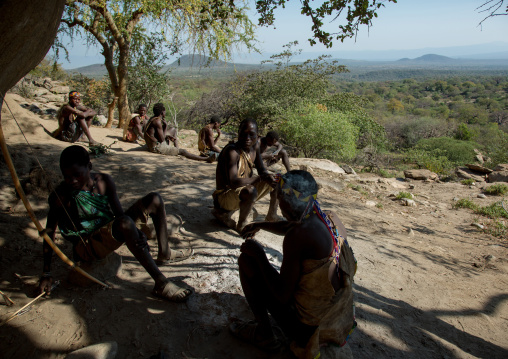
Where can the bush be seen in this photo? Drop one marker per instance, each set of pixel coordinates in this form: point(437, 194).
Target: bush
point(316, 133)
point(468, 181)
point(434, 161)
point(402, 195)
point(456, 151)
point(497, 189)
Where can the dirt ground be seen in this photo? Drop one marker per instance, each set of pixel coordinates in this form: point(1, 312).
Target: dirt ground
point(429, 285)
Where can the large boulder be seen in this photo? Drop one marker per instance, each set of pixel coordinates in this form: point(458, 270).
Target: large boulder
point(498, 176)
point(501, 167)
point(421, 174)
point(314, 163)
point(60, 90)
point(478, 168)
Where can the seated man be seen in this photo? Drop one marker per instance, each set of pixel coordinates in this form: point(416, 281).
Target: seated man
point(207, 145)
point(311, 298)
point(158, 134)
point(88, 212)
point(74, 120)
point(135, 128)
point(271, 157)
point(237, 187)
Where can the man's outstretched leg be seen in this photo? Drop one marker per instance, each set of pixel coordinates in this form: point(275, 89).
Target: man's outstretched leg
point(84, 124)
point(152, 205)
point(125, 230)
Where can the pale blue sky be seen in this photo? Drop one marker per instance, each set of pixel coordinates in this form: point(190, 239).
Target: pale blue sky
point(408, 24)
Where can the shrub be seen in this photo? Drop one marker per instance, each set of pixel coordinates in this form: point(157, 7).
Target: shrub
point(465, 203)
point(468, 181)
point(434, 161)
point(456, 151)
point(402, 195)
point(317, 133)
point(497, 189)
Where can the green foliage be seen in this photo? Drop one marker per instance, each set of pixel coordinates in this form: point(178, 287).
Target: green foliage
point(100, 149)
point(402, 195)
point(465, 203)
point(468, 181)
point(498, 189)
point(94, 93)
point(456, 151)
point(50, 68)
point(494, 211)
point(314, 132)
point(359, 12)
point(385, 173)
point(148, 82)
point(266, 95)
point(405, 132)
point(465, 133)
point(434, 160)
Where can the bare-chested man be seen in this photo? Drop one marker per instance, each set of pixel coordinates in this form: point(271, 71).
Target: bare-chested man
point(237, 187)
point(74, 120)
point(311, 297)
point(271, 157)
point(207, 145)
point(135, 129)
point(158, 134)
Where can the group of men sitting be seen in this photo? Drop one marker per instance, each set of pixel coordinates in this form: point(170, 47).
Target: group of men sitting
point(310, 297)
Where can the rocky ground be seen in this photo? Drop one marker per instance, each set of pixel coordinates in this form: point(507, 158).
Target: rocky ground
point(429, 284)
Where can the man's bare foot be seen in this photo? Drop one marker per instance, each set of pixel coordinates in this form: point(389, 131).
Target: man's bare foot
point(224, 217)
point(92, 143)
point(272, 218)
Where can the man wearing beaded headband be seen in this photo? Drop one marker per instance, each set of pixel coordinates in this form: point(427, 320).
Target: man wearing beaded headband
point(74, 120)
point(237, 186)
point(311, 297)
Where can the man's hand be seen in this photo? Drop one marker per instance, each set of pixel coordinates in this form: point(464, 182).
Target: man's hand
point(250, 230)
point(269, 179)
point(45, 284)
point(252, 248)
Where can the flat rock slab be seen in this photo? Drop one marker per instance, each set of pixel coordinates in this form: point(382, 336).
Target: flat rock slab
point(478, 168)
point(501, 167)
point(464, 172)
point(314, 163)
point(103, 270)
point(421, 174)
point(105, 350)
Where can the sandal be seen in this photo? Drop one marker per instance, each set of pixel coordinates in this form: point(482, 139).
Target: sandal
point(172, 292)
point(177, 255)
point(246, 331)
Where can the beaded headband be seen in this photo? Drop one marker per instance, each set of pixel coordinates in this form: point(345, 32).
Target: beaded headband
point(74, 94)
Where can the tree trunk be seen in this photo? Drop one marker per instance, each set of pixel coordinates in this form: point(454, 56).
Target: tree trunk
point(111, 109)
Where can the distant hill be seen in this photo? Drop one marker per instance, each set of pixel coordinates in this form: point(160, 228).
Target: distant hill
point(93, 71)
point(429, 58)
point(196, 61)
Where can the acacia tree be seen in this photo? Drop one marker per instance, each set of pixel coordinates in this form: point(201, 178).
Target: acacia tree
point(120, 27)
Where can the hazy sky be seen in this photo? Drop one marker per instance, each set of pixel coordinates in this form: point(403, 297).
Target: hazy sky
point(408, 24)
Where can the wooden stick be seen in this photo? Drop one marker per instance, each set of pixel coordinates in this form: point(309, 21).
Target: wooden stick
point(8, 300)
point(55, 284)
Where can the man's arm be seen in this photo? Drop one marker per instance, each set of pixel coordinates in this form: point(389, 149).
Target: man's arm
point(110, 191)
point(87, 112)
point(210, 141)
point(260, 166)
point(279, 228)
point(232, 168)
